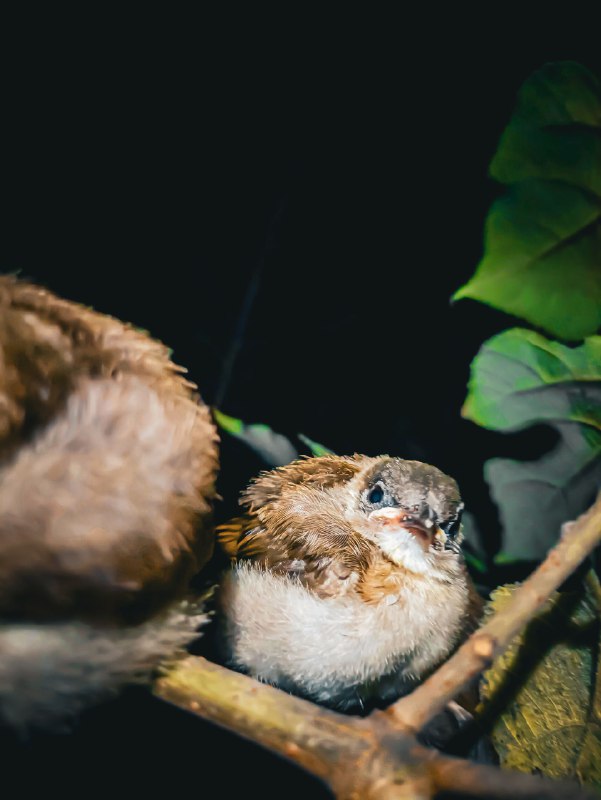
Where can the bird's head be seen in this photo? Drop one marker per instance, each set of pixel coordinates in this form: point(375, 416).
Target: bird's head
point(411, 510)
point(408, 510)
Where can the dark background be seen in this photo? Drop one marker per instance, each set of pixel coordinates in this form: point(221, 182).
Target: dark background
point(353, 195)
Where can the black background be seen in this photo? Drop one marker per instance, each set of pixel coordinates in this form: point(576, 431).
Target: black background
point(154, 186)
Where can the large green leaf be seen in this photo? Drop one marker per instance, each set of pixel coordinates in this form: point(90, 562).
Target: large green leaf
point(519, 379)
point(542, 253)
point(540, 697)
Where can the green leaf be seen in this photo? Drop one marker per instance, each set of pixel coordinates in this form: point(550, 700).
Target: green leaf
point(231, 425)
point(275, 449)
point(474, 562)
point(501, 559)
point(519, 379)
point(542, 251)
point(315, 448)
point(541, 696)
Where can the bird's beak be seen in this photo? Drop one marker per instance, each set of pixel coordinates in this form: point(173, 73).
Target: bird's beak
point(420, 526)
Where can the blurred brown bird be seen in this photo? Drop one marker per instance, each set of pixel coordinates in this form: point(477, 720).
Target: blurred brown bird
point(348, 584)
point(107, 469)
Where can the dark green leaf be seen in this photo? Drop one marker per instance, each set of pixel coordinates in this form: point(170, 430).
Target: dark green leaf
point(315, 448)
point(474, 562)
point(519, 379)
point(274, 448)
point(471, 534)
point(542, 259)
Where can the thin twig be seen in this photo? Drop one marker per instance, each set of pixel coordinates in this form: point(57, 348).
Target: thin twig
point(577, 541)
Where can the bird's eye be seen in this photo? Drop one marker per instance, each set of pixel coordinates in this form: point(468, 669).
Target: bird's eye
point(376, 495)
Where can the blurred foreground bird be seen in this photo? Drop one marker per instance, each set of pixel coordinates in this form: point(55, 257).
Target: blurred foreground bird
point(107, 468)
point(348, 584)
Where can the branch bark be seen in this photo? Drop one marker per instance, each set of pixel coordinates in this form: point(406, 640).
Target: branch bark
point(378, 758)
point(358, 758)
point(578, 540)
point(306, 733)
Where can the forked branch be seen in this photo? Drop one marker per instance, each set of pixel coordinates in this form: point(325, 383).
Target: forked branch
point(378, 758)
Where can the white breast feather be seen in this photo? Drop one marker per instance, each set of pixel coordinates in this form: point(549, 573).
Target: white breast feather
point(336, 650)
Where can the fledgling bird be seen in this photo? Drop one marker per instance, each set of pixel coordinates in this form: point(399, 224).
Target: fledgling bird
point(108, 461)
point(348, 584)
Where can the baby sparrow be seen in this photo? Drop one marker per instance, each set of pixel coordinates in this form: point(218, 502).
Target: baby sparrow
point(348, 585)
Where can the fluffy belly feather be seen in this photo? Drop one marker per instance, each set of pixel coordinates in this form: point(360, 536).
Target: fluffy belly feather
point(339, 651)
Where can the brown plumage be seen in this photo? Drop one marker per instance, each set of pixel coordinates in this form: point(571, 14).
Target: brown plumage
point(107, 468)
point(348, 581)
point(291, 522)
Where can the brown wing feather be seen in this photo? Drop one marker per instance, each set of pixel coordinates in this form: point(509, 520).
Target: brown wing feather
point(242, 537)
point(320, 473)
point(300, 529)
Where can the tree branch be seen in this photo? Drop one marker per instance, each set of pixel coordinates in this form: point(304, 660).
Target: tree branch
point(290, 726)
point(478, 780)
point(357, 758)
point(578, 540)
